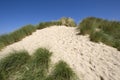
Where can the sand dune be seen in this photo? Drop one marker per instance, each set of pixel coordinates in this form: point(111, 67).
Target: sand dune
point(90, 61)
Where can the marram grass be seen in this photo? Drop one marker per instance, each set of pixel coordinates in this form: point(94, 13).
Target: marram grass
point(101, 30)
point(7, 39)
point(21, 66)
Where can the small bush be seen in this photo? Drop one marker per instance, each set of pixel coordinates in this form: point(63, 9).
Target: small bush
point(38, 65)
point(101, 30)
point(117, 44)
point(42, 57)
point(21, 66)
point(13, 63)
point(67, 22)
point(88, 25)
point(61, 72)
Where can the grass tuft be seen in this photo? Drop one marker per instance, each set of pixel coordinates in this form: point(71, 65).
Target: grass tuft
point(101, 30)
point(16, 36)
point(48, 24)
point(61, 72)
point(67, 21)
point(63, 21)
point(13, 63)
point(21, 66)
point(42, 57)
point(38, 65)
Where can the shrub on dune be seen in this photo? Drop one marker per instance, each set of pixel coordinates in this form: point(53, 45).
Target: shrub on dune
point(13, 63)
point(101, 30)
point(67, 22)
point(21, 66)
point(61, 72)
point(38, 65)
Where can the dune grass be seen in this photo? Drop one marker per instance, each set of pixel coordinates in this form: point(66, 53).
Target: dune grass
point(63, 21)
point(61, 72)
point(12, 63)
point(16, 36)
point(21, 66)
point(67, 21)
point(7, 39)
point(48, 24)
point(101, 30)
point(38, 65)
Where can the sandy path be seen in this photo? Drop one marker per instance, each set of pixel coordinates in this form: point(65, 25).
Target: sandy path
point(91, 61)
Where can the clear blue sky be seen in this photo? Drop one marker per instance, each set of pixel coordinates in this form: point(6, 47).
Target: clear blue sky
point(17, 13)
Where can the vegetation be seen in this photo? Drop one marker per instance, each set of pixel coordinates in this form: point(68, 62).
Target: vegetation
point(38, 65)
point(67, 22)
point(12, 64)
point(7, 39)
point(62, 72)
point(21, 66)
point(101, 30)
point(15, 36)
point(48, 24)
point(63, 21)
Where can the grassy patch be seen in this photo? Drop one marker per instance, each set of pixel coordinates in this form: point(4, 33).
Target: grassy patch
point(63, 21)
point(48, 24)
point(21, 66)
point(7, 39)
point(41, 58)
point(38, 65)
point(16, 36)
point(12, 63)
point(67, 22)
point(101, 30)
point(61, 72)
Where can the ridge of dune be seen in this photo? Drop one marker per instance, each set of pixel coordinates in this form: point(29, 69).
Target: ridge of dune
point(89, 60)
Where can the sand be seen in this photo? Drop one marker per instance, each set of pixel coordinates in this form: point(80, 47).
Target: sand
point(89, 60)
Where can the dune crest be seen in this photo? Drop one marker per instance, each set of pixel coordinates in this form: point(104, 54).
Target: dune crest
point(90, 61)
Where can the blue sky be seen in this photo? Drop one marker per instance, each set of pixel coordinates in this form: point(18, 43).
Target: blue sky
point(17, 13)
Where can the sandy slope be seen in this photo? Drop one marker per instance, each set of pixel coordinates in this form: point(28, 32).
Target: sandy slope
point(91, 61)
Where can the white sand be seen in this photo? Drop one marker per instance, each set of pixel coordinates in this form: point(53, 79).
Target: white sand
point(90, 61)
